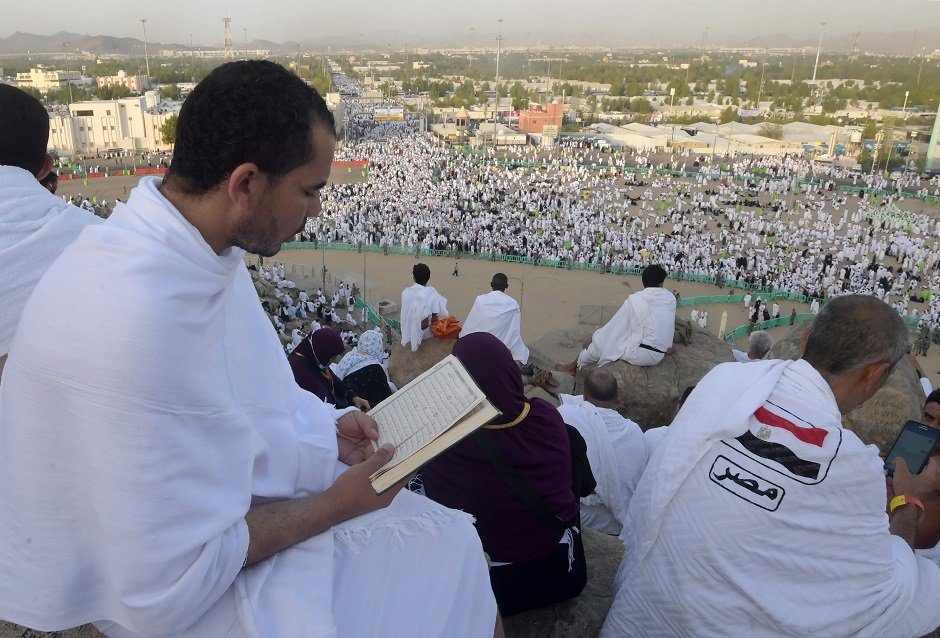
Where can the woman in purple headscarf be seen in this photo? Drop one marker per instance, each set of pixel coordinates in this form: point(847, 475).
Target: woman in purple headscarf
point(310, 363)
point(530, 531)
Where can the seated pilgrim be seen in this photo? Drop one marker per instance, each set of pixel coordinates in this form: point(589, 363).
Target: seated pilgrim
point(758, 345)
point(361, 369)
point(310, 363)
point(615, 447)
point(421, 306)
point(640, 333)
point(530, 527)
point(498, 314)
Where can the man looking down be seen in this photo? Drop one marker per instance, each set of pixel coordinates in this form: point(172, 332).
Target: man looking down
point(421, 306)
point(760, 515)
point(161, 473)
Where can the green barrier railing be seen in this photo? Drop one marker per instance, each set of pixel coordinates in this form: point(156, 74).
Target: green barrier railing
point(742, 331)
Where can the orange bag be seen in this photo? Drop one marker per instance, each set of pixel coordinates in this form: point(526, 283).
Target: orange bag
point(446, 328)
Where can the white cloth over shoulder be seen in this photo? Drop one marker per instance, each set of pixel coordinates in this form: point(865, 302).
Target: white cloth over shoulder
point(617, 453)
point(35, 226)
point(417, 304)
point(646, 317)
point(759, 515)
point(498, 314)
point(122, 501)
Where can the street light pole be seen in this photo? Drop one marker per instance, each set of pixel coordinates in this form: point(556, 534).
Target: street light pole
point(146, 54)
point(818, 49)
point(499, 40)
point(68, 70)
point(904, 108)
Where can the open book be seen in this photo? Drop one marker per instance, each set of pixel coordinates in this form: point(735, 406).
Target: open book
point(426, 417)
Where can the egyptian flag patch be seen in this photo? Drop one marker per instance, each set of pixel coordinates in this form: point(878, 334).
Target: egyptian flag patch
point(784, 443)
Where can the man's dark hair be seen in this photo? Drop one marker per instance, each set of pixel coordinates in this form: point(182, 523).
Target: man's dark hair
point(600, 385)
point(933, 397)
point(499, 281)
point(853, 331)
point(653, 276)
point(24, 130)
point(421, 274)
point(249, 111)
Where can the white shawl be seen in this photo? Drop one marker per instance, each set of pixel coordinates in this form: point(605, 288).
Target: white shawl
point(615, 449)
point(35, 226)
point(646, 316)
point(723, 541)
point(498, 314)
point(173, 366)
point(417, 304)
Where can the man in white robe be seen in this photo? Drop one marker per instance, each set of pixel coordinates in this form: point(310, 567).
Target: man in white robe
point(615, 448)
point(759, 344)
point(421, 306)
point(35, 225)
point(640, 333)
point(162, 473)
point(759, 515)
point(499, 314)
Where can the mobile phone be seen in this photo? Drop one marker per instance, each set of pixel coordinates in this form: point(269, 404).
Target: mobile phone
point(914, 444)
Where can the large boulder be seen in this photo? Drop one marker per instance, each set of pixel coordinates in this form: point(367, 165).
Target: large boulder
point(404, 365)
point(9, 630)
point(880, 419)
point(648, 395)
point(581, 617)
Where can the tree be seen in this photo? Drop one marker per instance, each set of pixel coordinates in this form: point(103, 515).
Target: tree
point(170, 92)
point(112, 92)
point(641, 105)
point(729, 115)
point(168, 130)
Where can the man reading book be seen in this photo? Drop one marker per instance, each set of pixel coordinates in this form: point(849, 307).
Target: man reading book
point(172, 478)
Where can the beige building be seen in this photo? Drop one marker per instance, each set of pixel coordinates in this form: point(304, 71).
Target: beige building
point(98, 125)
point(44, 79)
point(133, 83)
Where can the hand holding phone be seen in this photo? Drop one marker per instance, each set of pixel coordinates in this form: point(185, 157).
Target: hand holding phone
point(914, 444)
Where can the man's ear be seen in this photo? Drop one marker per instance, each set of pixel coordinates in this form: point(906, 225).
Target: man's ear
point(46, 167)
point(804, 338)
point(875, 375)
point(246, 185)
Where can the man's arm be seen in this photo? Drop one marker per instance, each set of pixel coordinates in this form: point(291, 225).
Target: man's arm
point(905, 519)
point(275, 526)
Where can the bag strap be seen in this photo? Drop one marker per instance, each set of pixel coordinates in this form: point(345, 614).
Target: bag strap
point(516, 483)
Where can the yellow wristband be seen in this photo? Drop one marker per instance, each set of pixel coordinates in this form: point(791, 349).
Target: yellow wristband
point(900, 500)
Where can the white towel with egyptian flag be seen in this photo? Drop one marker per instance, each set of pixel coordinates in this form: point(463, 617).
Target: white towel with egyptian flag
point(758, 515)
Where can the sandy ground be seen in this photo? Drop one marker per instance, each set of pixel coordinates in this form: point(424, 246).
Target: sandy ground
point(552, 299)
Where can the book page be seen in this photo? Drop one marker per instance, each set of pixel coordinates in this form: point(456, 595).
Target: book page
point(412, 417)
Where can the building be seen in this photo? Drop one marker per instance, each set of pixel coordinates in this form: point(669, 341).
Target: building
point(44, 80)
point(533, 119)
point(94, 126)
point(133, 83)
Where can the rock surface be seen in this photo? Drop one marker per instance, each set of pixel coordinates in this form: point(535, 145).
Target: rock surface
point(649, 394)
point(405, 365)
point(9, 630)
point(880, 419)
point(581, 617)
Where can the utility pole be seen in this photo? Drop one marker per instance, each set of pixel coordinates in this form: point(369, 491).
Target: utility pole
point(146, 55)
point(818, 49)
point(499, 40)
point(68, 71)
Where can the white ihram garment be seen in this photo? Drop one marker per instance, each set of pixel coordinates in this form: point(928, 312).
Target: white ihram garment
point(35, 227)
point(646, 317)
point(618, 455)
point(417, 304)
point(498, 314)
point(134, 438)
point(758, 515)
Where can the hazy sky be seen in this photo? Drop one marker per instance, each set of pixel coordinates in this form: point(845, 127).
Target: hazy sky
point(525, 22)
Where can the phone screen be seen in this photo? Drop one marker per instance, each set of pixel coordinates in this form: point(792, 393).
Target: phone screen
point(914, 445)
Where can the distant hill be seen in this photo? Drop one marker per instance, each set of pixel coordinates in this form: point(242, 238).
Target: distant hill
point(896, 43)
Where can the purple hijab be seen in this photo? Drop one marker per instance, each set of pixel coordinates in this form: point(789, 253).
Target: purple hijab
point(536, 447)
point(309, 362)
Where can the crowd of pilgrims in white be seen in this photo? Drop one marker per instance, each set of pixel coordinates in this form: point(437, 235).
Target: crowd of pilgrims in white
point(578, 203)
